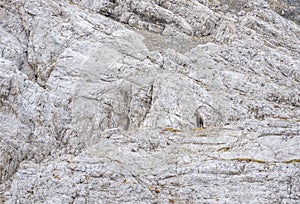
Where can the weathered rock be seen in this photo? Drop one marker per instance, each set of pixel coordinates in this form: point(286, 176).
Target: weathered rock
point(98, 100)
point(287, 8)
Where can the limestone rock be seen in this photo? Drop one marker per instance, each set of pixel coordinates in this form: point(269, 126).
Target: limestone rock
point(98, 100)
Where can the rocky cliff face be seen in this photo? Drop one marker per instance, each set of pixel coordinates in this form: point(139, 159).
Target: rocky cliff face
point(98, 102)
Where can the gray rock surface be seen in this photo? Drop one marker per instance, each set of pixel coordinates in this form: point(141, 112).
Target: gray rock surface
point(98, 100)
point(287, 8)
